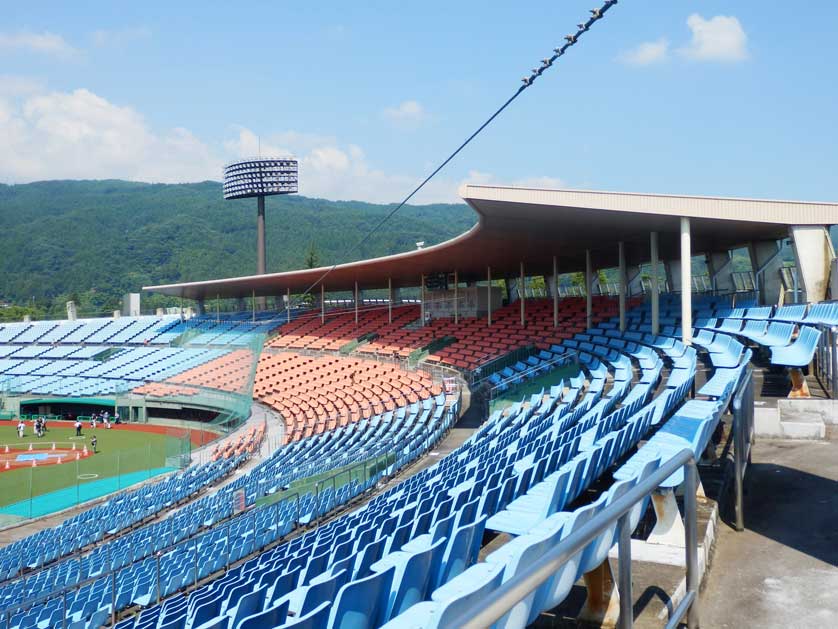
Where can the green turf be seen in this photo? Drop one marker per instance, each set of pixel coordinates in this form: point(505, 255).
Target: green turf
point(514, 394)
point(76, 494)
point(121, 454)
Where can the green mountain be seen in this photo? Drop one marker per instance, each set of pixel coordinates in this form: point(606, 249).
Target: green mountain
point(93, 241)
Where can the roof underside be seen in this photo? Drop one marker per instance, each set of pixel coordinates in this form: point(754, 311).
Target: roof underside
point(532, 226)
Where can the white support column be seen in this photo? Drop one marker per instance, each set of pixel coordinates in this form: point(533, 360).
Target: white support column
point(356, 303)
point(621, 256)
point(589, 303)
point(288, 305)
point(523, 294)
point(422, 299)
point(322, 304)
point(555, 293)
point(653, 245)
point(389, 300)
point(686, 283)
point(456, 300)
point(489, 295)
point(253, 304)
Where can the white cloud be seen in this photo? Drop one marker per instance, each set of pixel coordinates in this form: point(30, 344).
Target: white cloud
point(337, 170)
point(120, 36)
point(15, 85)
point(477, 177)
point(408, 112)
point(721, 38)
point(79, 135)
point(646, 53)
point(45, 43)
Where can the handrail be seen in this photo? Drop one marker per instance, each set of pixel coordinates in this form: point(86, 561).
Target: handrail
point(742, 407)
point(483, 613)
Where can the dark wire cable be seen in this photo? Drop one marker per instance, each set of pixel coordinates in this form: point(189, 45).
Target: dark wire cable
point(570, 40)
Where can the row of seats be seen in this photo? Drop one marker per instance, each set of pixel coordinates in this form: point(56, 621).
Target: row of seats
point(244, 443)
point(470, 341)
point(229, 372)
point(195, 530)
point(315, 394)
point(369, 575)
point(121, 370)
point(122, 511)
point(122, 331)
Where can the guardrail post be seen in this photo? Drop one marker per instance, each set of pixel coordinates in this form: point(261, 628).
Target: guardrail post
point(64, 606)
point(738, 473)
point(833, 350)
point(113, 598)
point(157, 562)
point(626, 620)
point(227, 550)
point(691, 529)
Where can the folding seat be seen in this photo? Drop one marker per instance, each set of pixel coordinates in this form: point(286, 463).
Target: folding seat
point(362, 604)
point(799, 353)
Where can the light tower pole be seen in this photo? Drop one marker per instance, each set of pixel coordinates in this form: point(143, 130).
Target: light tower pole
point(260, 235)
point(260, 177)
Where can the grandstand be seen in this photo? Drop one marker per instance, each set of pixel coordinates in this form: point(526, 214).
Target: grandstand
point(380, 506)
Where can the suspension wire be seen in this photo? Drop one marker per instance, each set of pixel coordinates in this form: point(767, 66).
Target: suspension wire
point(570, 40)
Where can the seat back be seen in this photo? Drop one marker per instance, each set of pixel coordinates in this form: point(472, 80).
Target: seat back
point(324, 590)
point(412, 584)
point(461, 550)
point(361, 604)
point(271, 617)
point(316, 619)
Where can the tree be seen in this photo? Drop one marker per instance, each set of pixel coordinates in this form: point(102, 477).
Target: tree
point(312, 260)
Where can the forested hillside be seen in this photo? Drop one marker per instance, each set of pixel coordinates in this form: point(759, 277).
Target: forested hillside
point(93, 241)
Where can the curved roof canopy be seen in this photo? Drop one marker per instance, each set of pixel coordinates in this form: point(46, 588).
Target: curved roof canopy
point(531, 226)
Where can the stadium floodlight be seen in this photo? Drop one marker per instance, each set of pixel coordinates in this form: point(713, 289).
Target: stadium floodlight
point(260, 177)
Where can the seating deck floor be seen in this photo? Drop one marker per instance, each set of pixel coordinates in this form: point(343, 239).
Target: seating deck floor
point(782, 571)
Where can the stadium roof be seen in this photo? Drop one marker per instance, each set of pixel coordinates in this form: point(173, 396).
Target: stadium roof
point(532, 226)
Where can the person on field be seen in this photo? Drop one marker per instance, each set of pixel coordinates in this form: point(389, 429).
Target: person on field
point(93, 443)
point(21, 429)
point(78, 427)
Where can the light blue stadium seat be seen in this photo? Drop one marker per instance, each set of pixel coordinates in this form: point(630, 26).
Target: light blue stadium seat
point(799, 353)
point(362, 604)
point(316, 619)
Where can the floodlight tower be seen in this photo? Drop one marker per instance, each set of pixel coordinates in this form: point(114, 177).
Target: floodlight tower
point(260, 177)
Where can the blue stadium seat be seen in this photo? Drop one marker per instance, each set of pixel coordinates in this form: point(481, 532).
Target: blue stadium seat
point(799, 353)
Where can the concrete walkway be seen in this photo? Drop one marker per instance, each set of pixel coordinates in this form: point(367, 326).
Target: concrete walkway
point(782, 571)
point(274, 436)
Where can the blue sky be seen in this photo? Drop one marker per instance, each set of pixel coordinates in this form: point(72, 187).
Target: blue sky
point(702, 97)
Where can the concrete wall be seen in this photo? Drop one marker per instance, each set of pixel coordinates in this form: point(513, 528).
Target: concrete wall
point(766, 261)
point(813, 252)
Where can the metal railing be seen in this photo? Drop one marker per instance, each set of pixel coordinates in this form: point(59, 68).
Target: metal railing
point(825, 365)
point(742, 406)
point(484, 612)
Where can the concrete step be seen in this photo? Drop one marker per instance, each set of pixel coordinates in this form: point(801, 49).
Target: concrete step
point(788, 422)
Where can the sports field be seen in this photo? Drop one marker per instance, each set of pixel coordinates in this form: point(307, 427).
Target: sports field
point(126, 455)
